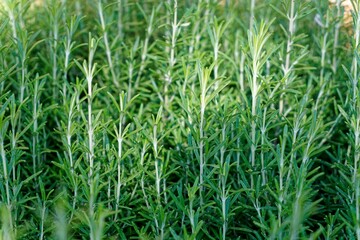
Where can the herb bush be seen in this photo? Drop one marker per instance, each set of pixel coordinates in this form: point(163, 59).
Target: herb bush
point(179, 120)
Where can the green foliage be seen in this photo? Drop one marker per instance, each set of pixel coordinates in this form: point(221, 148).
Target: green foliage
point(179, 120)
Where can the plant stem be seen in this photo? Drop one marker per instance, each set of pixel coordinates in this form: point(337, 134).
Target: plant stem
point(336, 36)
point(224, 166)
point(55, 35)
point(69, 145)
point(258, 56)
point(157, 167)
point(289, 45)
point(68, 47)
point(120, 138)
point(119, 18)
point(89, 69)
point(142, 182)
point(254, 92)
point(356, 121)
point(203, 87)
point(172, 58)
point(43, 211)
point(35, 137)
point(5, 166)
point(252, 14)
point(144, 52)
point(107, 45)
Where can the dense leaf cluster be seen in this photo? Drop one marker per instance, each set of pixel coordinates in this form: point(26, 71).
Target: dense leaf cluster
point(179, 120)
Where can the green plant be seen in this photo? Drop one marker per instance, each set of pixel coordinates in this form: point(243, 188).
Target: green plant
point(179, 120)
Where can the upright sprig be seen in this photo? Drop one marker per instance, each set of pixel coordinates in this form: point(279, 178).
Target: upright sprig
point(55, 14)
point(203, 75)
point(172, 35)
point(225, 194)
point(258, 56)
point(70, 129)
point(215, 33)
point(352, 118)
point(150, 20)
point(241, 61)
point(69, 46)
point(121, 130)
point(304, 175)
point(206, 96)
point(293, 12)
point(107, 43)
point(37, 122)
point(252, 14)
point(195, 31)
point(156, 137)
point(157, 149)
point(12, 12)
point(89, 70)
point(4, 124)
point(336, 36)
